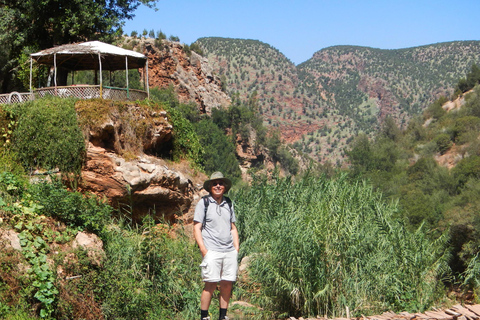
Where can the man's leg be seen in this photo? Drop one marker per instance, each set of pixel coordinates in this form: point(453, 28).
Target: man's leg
point(225, 294)
point(207, 294)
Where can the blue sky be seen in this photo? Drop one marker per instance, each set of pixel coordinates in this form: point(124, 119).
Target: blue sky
point(300, 28)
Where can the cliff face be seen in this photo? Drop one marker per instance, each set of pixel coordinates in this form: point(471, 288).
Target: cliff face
point(190, 74)
point(124, 164)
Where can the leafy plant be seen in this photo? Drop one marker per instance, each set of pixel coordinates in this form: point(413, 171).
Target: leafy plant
point(35, 250)
point(48, 135)
point(76, 210)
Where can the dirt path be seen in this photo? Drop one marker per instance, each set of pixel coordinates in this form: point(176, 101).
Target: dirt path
point(457, 312)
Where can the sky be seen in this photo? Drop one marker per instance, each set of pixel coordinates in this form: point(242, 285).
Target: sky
point(300, 28)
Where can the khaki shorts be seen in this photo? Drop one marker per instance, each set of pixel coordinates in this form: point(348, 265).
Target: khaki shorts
point(218, 266)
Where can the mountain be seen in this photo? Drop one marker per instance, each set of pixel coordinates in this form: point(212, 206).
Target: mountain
point(322, 103)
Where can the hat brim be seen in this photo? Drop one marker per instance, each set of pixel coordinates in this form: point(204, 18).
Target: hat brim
point(207, 185)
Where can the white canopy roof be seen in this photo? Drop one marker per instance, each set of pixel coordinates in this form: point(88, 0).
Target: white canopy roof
point(84, 56)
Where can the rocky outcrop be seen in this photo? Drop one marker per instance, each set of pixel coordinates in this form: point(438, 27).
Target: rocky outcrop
point(122, 164)
point(138, 187)
point(190, 74)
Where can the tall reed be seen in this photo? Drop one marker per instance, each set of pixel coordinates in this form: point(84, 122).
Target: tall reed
point(321, 245)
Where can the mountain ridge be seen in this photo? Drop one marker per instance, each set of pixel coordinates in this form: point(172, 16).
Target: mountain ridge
point(341, 90)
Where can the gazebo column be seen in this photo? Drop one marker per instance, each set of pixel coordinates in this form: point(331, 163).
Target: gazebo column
point(31, 66)
point(148, 87)
point(101, 80)
point(126, 76)
point(55, 71)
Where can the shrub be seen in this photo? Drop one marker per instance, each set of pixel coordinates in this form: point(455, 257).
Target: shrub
point(219, 152)
point(186, 144)
point(48, 135)
point(73, 208)
point(467, 168)
point(149, 275)
point(443, 142)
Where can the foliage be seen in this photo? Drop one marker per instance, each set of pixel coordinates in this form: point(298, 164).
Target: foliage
point(280, 153)
point(40, 25)
point(116, 78)
point(428, 193)
point(145, 272)
point(35, 250)
point(74, 209)
point(219, 150)
point(149, 276)
point(48, 135)
point(435, 109)
point(472, 79)
point(186, 143)
point(319, 246)
point(8, 124)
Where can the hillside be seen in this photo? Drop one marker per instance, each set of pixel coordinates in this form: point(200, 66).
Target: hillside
point(322, 103)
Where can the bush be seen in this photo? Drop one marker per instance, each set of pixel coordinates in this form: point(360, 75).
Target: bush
point(467, 168)
point(73, 208)
point(219, 150)
point(443, 142)
point(150, 276)
point(48, 135)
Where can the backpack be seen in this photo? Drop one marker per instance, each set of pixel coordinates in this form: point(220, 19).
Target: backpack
point(206, 203)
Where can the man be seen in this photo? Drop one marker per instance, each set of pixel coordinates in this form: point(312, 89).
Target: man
point(217, 237)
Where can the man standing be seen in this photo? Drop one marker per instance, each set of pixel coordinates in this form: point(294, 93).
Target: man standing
point(217, 237)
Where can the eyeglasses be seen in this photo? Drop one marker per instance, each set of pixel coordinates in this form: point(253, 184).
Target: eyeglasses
point(220, 183)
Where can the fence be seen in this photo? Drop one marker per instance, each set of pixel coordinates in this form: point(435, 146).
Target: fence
point(77, 91)
point(16, 97)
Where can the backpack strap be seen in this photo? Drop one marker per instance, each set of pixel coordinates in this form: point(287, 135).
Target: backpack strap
point(206, 202)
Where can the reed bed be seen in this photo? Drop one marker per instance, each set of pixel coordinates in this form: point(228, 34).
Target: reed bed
point(333, 247)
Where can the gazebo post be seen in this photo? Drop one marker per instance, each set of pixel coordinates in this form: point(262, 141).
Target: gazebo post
point(126, 77)
point(148, 87)
point(101, 80)
point(31, 65)
point(55, 71)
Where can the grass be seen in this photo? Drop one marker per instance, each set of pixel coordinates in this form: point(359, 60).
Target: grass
point(320, 246)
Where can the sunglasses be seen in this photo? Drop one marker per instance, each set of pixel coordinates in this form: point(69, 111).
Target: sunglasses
point(220, 183)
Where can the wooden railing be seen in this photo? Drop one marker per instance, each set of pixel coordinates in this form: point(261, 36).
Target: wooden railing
point(77, 91)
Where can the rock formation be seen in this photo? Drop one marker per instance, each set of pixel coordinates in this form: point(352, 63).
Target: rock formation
point(190, 74)
point(122, 166)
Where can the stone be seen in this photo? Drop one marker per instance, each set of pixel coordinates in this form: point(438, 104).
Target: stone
point(10, 238)
point(92, 244)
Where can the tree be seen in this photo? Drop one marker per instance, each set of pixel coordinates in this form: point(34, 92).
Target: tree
point(219, 150)
point(43, 24)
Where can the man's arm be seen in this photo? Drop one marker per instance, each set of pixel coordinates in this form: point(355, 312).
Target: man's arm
point(236, 241)
point(197, 233)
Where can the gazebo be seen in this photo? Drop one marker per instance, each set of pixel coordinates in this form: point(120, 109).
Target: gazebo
point(92, 55)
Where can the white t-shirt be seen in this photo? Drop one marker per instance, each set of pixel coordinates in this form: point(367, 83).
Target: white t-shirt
point(216, 232)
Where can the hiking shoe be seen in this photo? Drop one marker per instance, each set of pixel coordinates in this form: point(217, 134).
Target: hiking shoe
point(206, 318)
point(225, 318)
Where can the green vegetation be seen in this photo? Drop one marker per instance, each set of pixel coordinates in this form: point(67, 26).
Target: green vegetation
point(405, 167)
point(318, 246)
point(77, 21)
point(468, 83)
point(342, 90)
point(48, 135)
point(143, 274)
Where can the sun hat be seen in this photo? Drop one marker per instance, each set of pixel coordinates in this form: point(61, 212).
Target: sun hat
point(207, 185)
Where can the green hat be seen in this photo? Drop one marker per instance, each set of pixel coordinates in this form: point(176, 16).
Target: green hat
point(207, 185)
